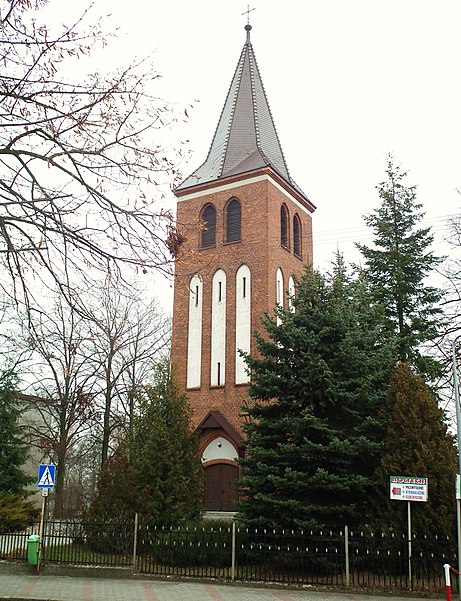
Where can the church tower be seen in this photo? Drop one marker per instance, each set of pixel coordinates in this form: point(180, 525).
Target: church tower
point(247, 229)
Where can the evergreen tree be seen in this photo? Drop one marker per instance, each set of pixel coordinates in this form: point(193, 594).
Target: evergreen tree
point(165, 456)
point(314, 435)
point(13, 449)
point(417, 443)
point(15, 511)
point(397, 267)
point(156, 471)
point(117, 495)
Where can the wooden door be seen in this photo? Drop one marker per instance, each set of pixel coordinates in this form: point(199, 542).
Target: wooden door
point(221, 487)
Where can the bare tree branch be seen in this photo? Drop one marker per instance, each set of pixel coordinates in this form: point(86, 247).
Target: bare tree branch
point(82, 163)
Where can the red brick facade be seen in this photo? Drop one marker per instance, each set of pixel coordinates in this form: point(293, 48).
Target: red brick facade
point(261, 194)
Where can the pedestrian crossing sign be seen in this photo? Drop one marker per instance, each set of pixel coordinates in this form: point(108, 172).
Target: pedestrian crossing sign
point(46, 473)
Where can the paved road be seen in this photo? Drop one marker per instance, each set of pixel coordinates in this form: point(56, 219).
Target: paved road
point(71, 588)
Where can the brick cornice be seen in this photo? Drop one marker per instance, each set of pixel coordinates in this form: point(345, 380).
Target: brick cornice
point(234, 181)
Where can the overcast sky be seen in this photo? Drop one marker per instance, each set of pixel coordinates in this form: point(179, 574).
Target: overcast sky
point(347, 83)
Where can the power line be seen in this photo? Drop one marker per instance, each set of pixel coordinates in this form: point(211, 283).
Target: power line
point(437, 224)
point(344, 239)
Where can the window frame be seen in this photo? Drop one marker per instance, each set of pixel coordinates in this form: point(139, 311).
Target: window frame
point(211, 232)
point(230, 219)
point(284, 227)
point(297, 237)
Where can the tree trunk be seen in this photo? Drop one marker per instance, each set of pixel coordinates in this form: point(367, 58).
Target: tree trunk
point(59, 504)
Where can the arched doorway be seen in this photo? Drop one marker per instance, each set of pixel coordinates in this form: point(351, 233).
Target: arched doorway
point(221, 487)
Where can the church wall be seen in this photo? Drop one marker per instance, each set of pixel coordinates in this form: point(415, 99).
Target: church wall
point(260, 250)
point(278, 256)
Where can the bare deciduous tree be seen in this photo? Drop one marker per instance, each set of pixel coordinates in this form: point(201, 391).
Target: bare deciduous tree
point(80, 159)
point(62, 378)
point(452, 272)
point(85, 367)
point(128, 334)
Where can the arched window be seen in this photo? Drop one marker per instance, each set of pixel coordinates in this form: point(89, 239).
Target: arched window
point(233, 220)
point(242, 322)
point(279, 292)
point(208, 220)
point(297, 246)
point(194, 337)
point(218, 329)
point(284, 228)
point(291, 293)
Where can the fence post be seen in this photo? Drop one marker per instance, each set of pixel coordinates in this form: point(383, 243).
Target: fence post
point(233, 552)
point(135, 542)
point(346, 554)
point(446, 567)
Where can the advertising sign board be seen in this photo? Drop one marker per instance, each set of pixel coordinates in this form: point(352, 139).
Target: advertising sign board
point(408, 488)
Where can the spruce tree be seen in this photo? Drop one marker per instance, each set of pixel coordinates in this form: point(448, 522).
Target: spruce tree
point(156, 470)
point(15, 511)
point(416, 443)
point(397, 267)
point(165, 456)
point(13, 449)
point(314, 433)
point(116, 496)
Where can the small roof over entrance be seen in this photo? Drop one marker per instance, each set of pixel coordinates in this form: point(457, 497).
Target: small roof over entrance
point(214, 420)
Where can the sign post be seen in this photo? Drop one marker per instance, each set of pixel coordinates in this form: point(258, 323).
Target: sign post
point(45, 481)
point(458, 431)
point(408, 488)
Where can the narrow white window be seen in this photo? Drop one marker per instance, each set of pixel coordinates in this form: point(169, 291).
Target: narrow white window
point(218, 329)
point(291, 294)
point(279, 291)
point(242, 322)
point(194, 338)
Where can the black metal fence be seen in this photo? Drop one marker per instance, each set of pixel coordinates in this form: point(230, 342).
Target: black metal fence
point(341, 559)
point(13, 545)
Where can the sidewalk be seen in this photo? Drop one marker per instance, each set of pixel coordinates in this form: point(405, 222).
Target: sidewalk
point(73, 588)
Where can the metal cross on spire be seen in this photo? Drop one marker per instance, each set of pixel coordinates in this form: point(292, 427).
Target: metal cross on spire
point(247, 13)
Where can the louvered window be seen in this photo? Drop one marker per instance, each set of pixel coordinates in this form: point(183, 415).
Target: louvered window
point(284, 235)
point(233, 221)
point(297, 247)
point(208, 220)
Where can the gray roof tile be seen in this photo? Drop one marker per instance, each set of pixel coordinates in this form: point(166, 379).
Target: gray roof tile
point(245, 138)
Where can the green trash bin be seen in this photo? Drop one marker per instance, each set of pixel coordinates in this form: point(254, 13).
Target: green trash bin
point(32, 549)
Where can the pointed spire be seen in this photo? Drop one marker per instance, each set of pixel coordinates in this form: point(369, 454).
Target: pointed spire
point(245, 138)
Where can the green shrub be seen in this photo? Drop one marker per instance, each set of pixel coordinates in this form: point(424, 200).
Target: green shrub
point(115, 537)
point(16, 513)
point(198, 544)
